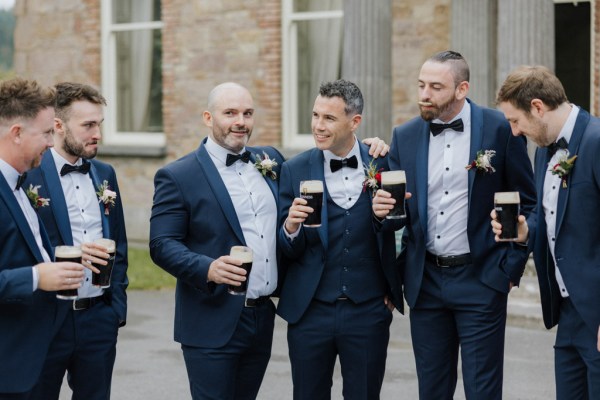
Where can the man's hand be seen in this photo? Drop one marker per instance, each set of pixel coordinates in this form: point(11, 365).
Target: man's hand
point(226, 269)
point(383, 202)
point(388, 303)
point(297, 213)
point(378, 147)
point(59, 276)
point(522, 228)
point(93, 253)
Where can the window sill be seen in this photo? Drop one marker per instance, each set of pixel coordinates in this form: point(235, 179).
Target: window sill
point(112, 150)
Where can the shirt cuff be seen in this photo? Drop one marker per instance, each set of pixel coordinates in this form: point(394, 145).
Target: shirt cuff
point(291, 236)
point(36, 277)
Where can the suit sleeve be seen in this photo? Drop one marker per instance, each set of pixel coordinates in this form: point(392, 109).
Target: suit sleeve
point(16, 285)
point(168, 231)
point(393, 164)
point(291, 249)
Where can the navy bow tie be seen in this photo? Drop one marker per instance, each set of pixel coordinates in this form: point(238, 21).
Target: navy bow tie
point(68, 168)
point(436, 129)
point(231, 158)
point(336, 165)
point(21, 180)
point(554, 147)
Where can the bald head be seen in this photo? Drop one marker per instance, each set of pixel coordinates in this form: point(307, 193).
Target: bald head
point(225, 90)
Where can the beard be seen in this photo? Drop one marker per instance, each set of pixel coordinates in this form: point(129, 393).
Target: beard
point(75, 148)
point(436, 110)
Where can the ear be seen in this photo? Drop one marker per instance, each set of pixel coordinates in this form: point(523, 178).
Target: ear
point(538, 107)
point(462, 90)
point(59, 125)
point(207, 117)
point(355, 122)
point(15, 132)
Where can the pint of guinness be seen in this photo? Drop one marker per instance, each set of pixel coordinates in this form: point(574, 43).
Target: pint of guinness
point(103, 278)
point(394, 182)
point(507, 205)
point(244, 254)
point(312, 192)
point(72, 254)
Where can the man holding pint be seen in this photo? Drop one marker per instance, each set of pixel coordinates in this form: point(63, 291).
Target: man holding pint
point(85, 211)
point(456, 156)
point(564, 231)
point(30, 313)
point(341, 282)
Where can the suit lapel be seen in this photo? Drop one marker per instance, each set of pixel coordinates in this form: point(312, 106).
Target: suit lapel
point(581, 123)
point(58, 204)
point(19, 217)
point(316, 173)
point(220, 191)
point(476, 142)
point(422, 167)
point(97, 181)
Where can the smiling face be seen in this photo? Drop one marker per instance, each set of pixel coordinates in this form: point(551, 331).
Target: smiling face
point(439, 96)
point(78, 137)
point(34, 138)
point(332, 128)
point(230, 116)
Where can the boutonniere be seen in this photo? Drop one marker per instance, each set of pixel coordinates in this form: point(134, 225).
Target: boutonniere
point(106, 196)
point(563, 167)
point(483, 161)
point(265, 166)
point(372, 177)
point(34, 197)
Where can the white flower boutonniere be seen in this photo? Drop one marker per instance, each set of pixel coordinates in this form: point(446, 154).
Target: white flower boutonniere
point(34, 197)
point(106, 196)
point(483, 161)
point(563, 167)
point(265, 166)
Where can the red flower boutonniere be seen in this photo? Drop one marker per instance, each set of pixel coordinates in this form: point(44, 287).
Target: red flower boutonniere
point(483, 161)
point(265, 166)
point(563, 167)
point(106, 196)
point(372, 177)
point(34, 197)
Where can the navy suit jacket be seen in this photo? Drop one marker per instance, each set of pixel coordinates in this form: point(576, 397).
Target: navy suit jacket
point(305, 257)
point(577, 238)
point(28, 319)
point(56, 220)
point(498, 264)
point(193, 223)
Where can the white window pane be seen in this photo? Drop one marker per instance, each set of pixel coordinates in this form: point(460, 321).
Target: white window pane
point(125, 11)
point(317, 5)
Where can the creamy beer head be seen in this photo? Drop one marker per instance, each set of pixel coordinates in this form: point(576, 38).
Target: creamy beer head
point(67, 252)
point(242, 253)
point(393, 177)
point(311, 187)
point(108, 243)
point(507, 198)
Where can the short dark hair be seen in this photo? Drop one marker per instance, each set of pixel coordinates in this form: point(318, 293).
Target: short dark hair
point(69, 92)
point(22, 98)
point(460, 68)
point(526, 83)
point(348, 91)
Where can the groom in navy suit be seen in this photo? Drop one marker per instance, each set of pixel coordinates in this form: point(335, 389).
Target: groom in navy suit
point(70, 177)
point(30, 313)
point(341, 281)
point(564, 231)
point(456, 277)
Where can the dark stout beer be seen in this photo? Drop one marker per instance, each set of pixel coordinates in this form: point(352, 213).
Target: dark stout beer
point(244, 254)
point(394, 182)
point(103, 278)
point(312, 192)
point(507, 214)
point(72, 254)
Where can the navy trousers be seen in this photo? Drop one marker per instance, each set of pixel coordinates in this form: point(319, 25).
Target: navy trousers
point(455, 310)
point(358, 333)
point(236, 370)
point(85, 347)
point(576, 357)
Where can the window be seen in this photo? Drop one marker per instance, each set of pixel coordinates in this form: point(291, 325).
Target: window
point(312, 39)
point(132, 72)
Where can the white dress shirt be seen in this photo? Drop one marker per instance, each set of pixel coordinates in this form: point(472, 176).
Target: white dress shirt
point(256, 211)
point(552, 184)
point(84, 214)
point(12, 175)
point(448, 189)
point(345, 185)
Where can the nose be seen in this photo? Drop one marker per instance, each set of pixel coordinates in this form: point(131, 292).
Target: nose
point(515, 130)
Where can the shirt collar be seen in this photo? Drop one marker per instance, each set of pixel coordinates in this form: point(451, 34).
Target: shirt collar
point(217, 151)
point(10, 174)
point(567, 129)
point(355, 151)
point(59, 160)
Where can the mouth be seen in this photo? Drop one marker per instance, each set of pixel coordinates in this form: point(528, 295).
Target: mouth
point(321, 136)
point(425, 104)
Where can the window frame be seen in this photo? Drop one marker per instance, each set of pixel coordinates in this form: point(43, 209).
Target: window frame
point(111, 136)
point(292, 139)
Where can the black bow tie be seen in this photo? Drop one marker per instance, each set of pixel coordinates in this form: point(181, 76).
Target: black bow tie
point(231, 158)
point(336, 165)
point(68, 168)
point(436, 129)
point(21, 180)
point(554, 147)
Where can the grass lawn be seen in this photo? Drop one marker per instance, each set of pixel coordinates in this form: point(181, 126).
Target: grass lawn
point(144, 274)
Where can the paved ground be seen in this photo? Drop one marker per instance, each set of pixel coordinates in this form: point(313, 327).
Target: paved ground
point(149, 364)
